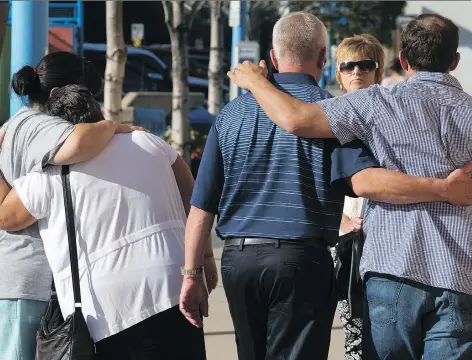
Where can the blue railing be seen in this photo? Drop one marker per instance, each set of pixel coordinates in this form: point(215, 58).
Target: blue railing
point(62, 14)
point(65, 15)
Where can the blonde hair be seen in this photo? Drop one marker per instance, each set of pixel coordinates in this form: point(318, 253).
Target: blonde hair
point(298, 37)
point(359, 47)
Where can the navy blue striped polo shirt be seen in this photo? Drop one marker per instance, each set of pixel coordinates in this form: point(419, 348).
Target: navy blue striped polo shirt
point(264, 182)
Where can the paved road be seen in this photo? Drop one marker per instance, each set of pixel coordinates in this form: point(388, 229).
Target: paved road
point(219, 332)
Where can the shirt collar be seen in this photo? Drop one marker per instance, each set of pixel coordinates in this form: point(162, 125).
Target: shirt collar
point(437, 77)
point(295, 78)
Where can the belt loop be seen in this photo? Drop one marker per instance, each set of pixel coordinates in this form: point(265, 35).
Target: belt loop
point(241, 244)
point(277, 243)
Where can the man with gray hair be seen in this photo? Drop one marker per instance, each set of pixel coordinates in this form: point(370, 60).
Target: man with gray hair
point(279, 200)
point(297, 39)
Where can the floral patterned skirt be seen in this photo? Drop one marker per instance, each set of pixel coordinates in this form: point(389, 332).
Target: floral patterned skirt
point(352, 331)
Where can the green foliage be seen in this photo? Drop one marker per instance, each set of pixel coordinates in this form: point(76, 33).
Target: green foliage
point(196, 143)
point(372, 17)
point(375, 17)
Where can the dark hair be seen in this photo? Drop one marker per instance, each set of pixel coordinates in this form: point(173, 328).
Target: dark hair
point(74, 103)
point(56, 69)
point(396, 66)
point(430, 43)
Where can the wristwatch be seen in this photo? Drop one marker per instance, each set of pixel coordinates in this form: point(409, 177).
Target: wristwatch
point(197, 271)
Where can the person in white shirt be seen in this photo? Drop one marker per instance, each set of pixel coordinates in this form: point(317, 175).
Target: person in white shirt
point(396, 73)
point(360, 64)
point(130, 206)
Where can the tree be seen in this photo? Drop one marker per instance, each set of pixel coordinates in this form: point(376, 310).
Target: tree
point(116, 60)
point(4, 10)
point(179, 16)
point(259, 12)
point(375, 17)
point(215, 65)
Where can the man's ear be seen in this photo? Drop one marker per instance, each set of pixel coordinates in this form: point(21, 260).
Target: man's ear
point(273, 58)
point(403, 61)
point(321, 58)
point(455, 63)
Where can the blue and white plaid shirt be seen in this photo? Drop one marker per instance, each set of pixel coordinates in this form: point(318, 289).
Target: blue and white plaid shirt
point(421, 127)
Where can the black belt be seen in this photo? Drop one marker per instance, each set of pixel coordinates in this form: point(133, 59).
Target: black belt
point(241, 242)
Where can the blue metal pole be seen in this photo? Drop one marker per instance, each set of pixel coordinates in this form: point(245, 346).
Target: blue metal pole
point(327, 69)
point(239, 34)
point(333, 70)
point(29, 38)
point(80, 28)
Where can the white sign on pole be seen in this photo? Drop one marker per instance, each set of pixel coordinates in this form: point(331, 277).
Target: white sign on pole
point(246, 50)
point(234, 13)
point(137, 31)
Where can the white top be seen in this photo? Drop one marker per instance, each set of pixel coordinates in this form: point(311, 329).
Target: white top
point(130, 224)
point(353, 207)
point(391, 80)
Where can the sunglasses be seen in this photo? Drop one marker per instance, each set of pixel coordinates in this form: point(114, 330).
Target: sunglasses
point(364, 66)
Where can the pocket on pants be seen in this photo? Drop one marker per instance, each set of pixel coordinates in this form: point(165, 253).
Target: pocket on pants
point(382, 300)
point(227, 259)
point(461, 311)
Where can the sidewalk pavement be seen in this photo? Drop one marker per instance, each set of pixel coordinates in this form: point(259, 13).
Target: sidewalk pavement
point(219, 332)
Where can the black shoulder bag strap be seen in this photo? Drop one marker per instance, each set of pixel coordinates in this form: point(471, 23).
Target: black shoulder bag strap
point(71, 231)
point(356, 287)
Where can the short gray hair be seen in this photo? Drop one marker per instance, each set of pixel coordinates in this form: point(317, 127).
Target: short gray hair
point(298, 37)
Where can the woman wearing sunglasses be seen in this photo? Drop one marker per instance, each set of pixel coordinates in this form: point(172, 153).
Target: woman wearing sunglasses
point(359, 61)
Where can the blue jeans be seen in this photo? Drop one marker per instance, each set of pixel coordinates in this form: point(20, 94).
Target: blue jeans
point(404, 320)
point(19, 323)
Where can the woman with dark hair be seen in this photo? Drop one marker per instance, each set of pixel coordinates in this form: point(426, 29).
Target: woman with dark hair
point(31, 141)
point(396, 75)
point(130, 227)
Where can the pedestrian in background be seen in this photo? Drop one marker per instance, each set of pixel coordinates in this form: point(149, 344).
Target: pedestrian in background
point(396, 73)
point(359, 64)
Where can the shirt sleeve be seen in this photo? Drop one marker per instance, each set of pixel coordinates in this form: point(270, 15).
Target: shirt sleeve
point(46, 140)
point(34, 191)
point(161, 143)
point(346, 161)
point(347, 114)
point(210, 179)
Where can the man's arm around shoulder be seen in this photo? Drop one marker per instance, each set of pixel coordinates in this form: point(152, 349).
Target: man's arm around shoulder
point(393, 187)
point(356, 165)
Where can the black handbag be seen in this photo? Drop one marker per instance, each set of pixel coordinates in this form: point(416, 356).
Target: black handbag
point(349, 284)
point(68, 339)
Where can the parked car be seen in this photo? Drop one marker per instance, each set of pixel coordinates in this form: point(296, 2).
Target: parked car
point(198, 60)
point(144, 71)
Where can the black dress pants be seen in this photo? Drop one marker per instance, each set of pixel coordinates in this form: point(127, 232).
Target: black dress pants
point(281, 299)
point(165, 336)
